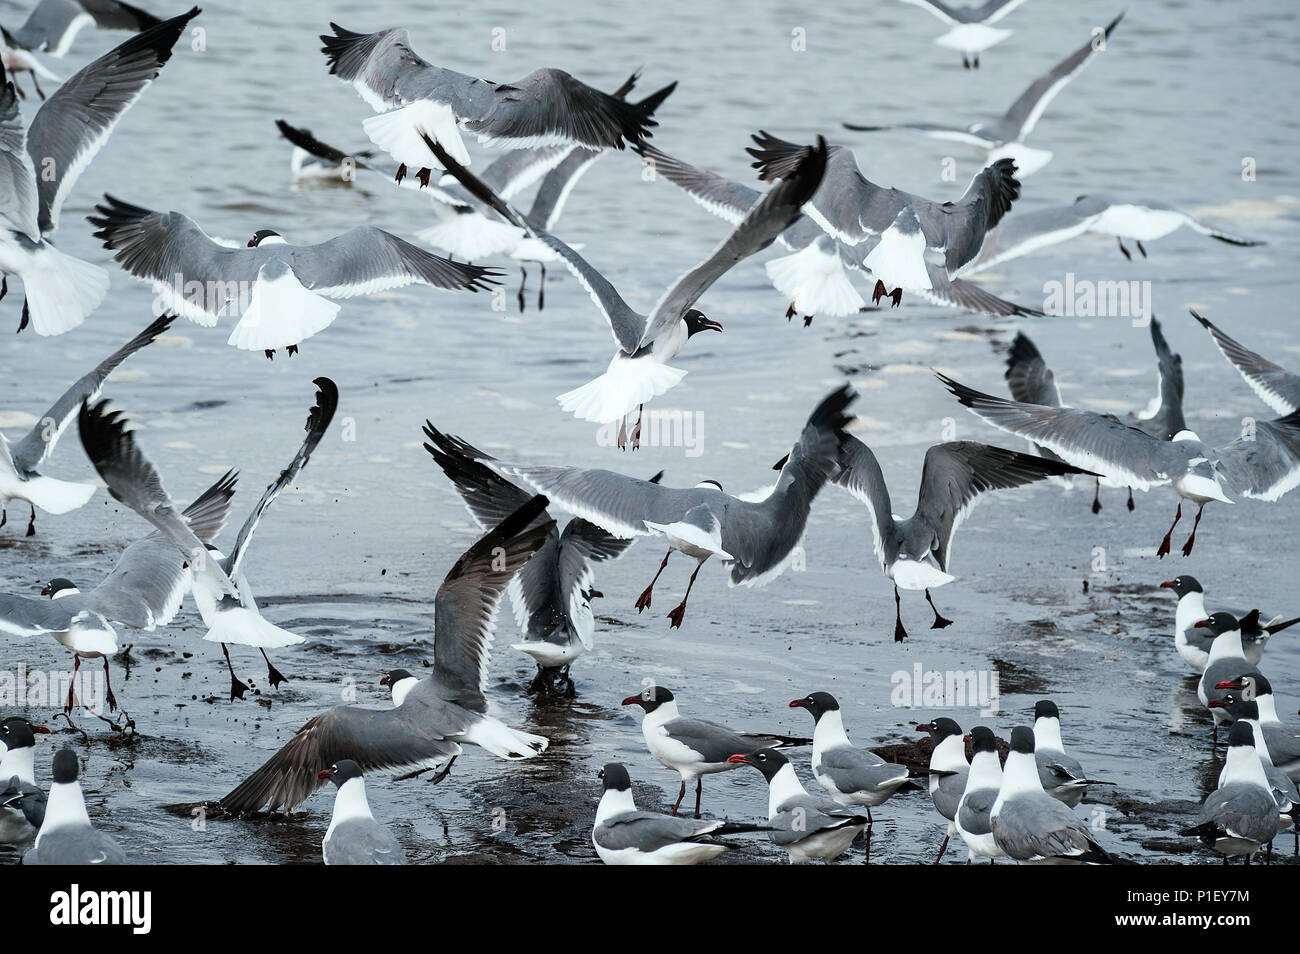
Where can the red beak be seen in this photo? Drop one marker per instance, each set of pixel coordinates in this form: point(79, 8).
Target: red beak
point(1228, 684)
point(924, 727)
point(41, 729)
point(1202, 624)
point(1167, 585)
point(712, 326)
point(632, 701)
point(1215, 704)
point(798, 704)
point(45, 590)
point(740, 759)
point(965, 738)
point(324, 775)
point(383, 680)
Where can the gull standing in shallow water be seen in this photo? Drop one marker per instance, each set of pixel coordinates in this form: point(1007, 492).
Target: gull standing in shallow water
point(754, 537)
point(1004, 137)
point(1193, 644)
point(914, 552)
point(948, 772)
point(66, 836)
point(441, 711)
point(22, 803)
point(44, 162)
point(20, 478)
point(973, 820)
point(646, 343)
point(354, 837)
point(694, 748)
point(1241, 815)
point(1062, 775)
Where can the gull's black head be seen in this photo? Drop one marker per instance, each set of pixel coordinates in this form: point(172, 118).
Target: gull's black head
point(615, 776)
point(1182, 585)
point(340, 772)
point(818, 703)
point(1022, 740)
point(1241, 734)
point(767, 761)
point(1046, 709)
point(60, 584)
point(65, 766)
point(1236, 705)
point(940, 728)
point(650, 698)
point(1219, 623)
point(261, 235)
point(982, 739)
point(17, 733)
point(394, 676)
point(697, 322)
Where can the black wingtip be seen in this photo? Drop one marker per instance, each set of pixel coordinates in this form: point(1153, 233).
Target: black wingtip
point(327, 402)
point(1023, 351)
point(476, 186)
point(652, 102)
point(101, 432)
point(831, 412)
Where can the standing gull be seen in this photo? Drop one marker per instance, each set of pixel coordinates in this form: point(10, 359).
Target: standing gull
point(949, 772)
point(694, 748)
point(1005, 136)
point(914, 552)
point(1284, 791)
point(43, 163)
point(1226, 660)
point(1283, 740)
point(354, 837)
point(22, 803)
point(440, 712)
point(1061, 774)
point(1193, 644)
point(1241, 815)
point(66, 836)
point(973, 819)
point(20, 476)
point(755, 538)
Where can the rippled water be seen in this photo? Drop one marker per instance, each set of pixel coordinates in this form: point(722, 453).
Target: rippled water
point(352, 557)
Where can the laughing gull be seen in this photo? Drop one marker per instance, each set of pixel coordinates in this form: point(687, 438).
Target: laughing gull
point(1031, 826)
point(973, 819)
point(1062, 775)
point(1194, 644)
point(1263, 465)
point(972, 31)
point(22, 803)
point(754, 537)
point(626, 835)
point(897, 231)
point(20, 477)
point(949, 771)
point(1276, 386)
point(694, 748)
point(53, 26)
point(237, 619)
point(646, 343)
point(66, 836)
point(354, 837)
point(1283, 789)
point(850, 776)
point(44, 163)
point(443, 710)
point(808, 827)
point(1226, 660)
point(414, 98)
point(814, 277)
point(280, 292)
point(552, 594)
point(1241, 815)
point(1005, 136)
point(1283, 740)
point(914, 551)
point(143, 591)
point(1139, 221)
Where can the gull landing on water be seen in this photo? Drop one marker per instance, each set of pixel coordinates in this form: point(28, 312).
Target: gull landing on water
point(972, 31)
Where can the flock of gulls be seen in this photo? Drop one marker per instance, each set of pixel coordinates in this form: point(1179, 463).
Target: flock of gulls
point(831, 222)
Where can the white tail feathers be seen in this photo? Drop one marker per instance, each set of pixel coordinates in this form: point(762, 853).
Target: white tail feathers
point(61, 290)
point(281, 312)
point(472, 236)
point(56, 496)
point(899, 257)
point(815, 283)
point(503, 741)
point(550, 655)
point(629, 382)
point(246, 627)
point(397, 132)
point(89, 633)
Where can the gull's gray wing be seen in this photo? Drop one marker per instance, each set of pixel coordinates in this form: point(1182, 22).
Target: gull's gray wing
point(75, 846)
point(1039, 826)
point(362, 841)
point(74, 123)
point(970, 135)
point(715, 743)
point(958, 228)
point(362, 159)
point(1265, 463)
point(860, 474)
point(1026, 232)
point(54, 24)
point(1167, 420)
point(548, 106)
point(649, 831)
point(1276, 386)
point(858, 770)
point(1025, 112)
point(1242, 811)
point(39, 442)
point(467, 600)
point(25, 616)
point(26, 798)
point(1095, 442)
point(960, 293)
point(947, 795)
point(378, 740)
point(19, 199)
point(318, 421)
point(973, 811)
point(133, 480)
point(955, 474)
point(1029, 378)
point(719, 195)
point(774, 213)
point(1057, 768)
point(991, 11)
